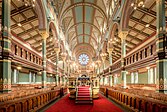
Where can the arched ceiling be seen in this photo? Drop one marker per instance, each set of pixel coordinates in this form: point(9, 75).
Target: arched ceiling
point(30, 22)
point(82, 21)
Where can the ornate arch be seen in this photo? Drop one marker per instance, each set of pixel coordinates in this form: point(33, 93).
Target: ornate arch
point(113, 29)
point(54, 32)
point(81, 4)
point(126, 10)
point(77, 47)
point(39, 6)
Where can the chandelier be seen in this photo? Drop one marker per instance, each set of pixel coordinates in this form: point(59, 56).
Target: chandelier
point(138, 3)
point(28, 2)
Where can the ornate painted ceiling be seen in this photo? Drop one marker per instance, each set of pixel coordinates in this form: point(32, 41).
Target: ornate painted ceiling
point(83, 22)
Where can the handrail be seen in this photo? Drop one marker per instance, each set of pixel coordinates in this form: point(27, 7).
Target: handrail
point(76, 87)
point(76, 92)
point(91, 90)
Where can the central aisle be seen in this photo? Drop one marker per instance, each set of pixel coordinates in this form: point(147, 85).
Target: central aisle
point(67, 105)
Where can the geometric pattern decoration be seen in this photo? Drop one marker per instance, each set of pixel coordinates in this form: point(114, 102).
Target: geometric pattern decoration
point(83, 59)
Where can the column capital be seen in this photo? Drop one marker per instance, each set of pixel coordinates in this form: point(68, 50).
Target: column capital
point(123, 34)
point(44, 34)
point(110, 50)
point(57, 49)
point(103, 56)
point(63, 55)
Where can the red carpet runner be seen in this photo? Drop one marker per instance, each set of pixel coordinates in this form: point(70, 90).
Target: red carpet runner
point(84, 95)
point(99, 105)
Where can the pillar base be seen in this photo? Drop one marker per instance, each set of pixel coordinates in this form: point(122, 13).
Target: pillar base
point(5, 91)
point(162, 91)
point(44, 86)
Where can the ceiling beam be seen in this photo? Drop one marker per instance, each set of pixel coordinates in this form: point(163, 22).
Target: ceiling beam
point(148, 12)
point(28, 31)
point(138, 21)
point(19, 10)
point(138, 31)
point(33, 37)
point(40, 46)
point(133, 37)
point(31, 19)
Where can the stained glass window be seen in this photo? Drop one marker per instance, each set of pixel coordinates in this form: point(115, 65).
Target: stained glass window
point(83, 59)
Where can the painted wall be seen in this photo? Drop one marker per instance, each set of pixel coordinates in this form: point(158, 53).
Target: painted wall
point(128, 78)
point(38, 79)
point(12, 76)
point(23, 77)
point(143, 78)
point(119, 79)
point(50, 79)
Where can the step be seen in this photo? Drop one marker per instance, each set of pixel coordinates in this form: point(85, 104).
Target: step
point(83, 94)
point(83, 98)
point(83, 91)
point(84, 102)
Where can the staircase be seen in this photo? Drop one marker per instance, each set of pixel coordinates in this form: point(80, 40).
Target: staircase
point(84, 95)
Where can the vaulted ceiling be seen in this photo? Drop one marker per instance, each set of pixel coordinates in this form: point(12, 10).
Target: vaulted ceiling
point(83, 22)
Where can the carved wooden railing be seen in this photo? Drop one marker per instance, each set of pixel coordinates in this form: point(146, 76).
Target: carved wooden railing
point(26, 56)
point(141, 56)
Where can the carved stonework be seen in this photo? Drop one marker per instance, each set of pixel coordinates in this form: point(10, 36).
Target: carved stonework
point(161, 84)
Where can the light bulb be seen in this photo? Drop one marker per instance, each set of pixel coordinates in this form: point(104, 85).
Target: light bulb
point(132, 4)
point(26, 4)
point(33, 5)
point(147, 25)
point(19, 24)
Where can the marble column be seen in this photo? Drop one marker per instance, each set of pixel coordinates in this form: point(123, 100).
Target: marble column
point(30, 75)
point(110, 50)
point(110, 80)
point(57, 50)
point(15, 76)
point(103, 57)
point(6, 55)
point(123, 35)
point(44, 35)
point(115, 80)
point(161, 47)
point(34, 78)
point(63, 55)
point(57, 80)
